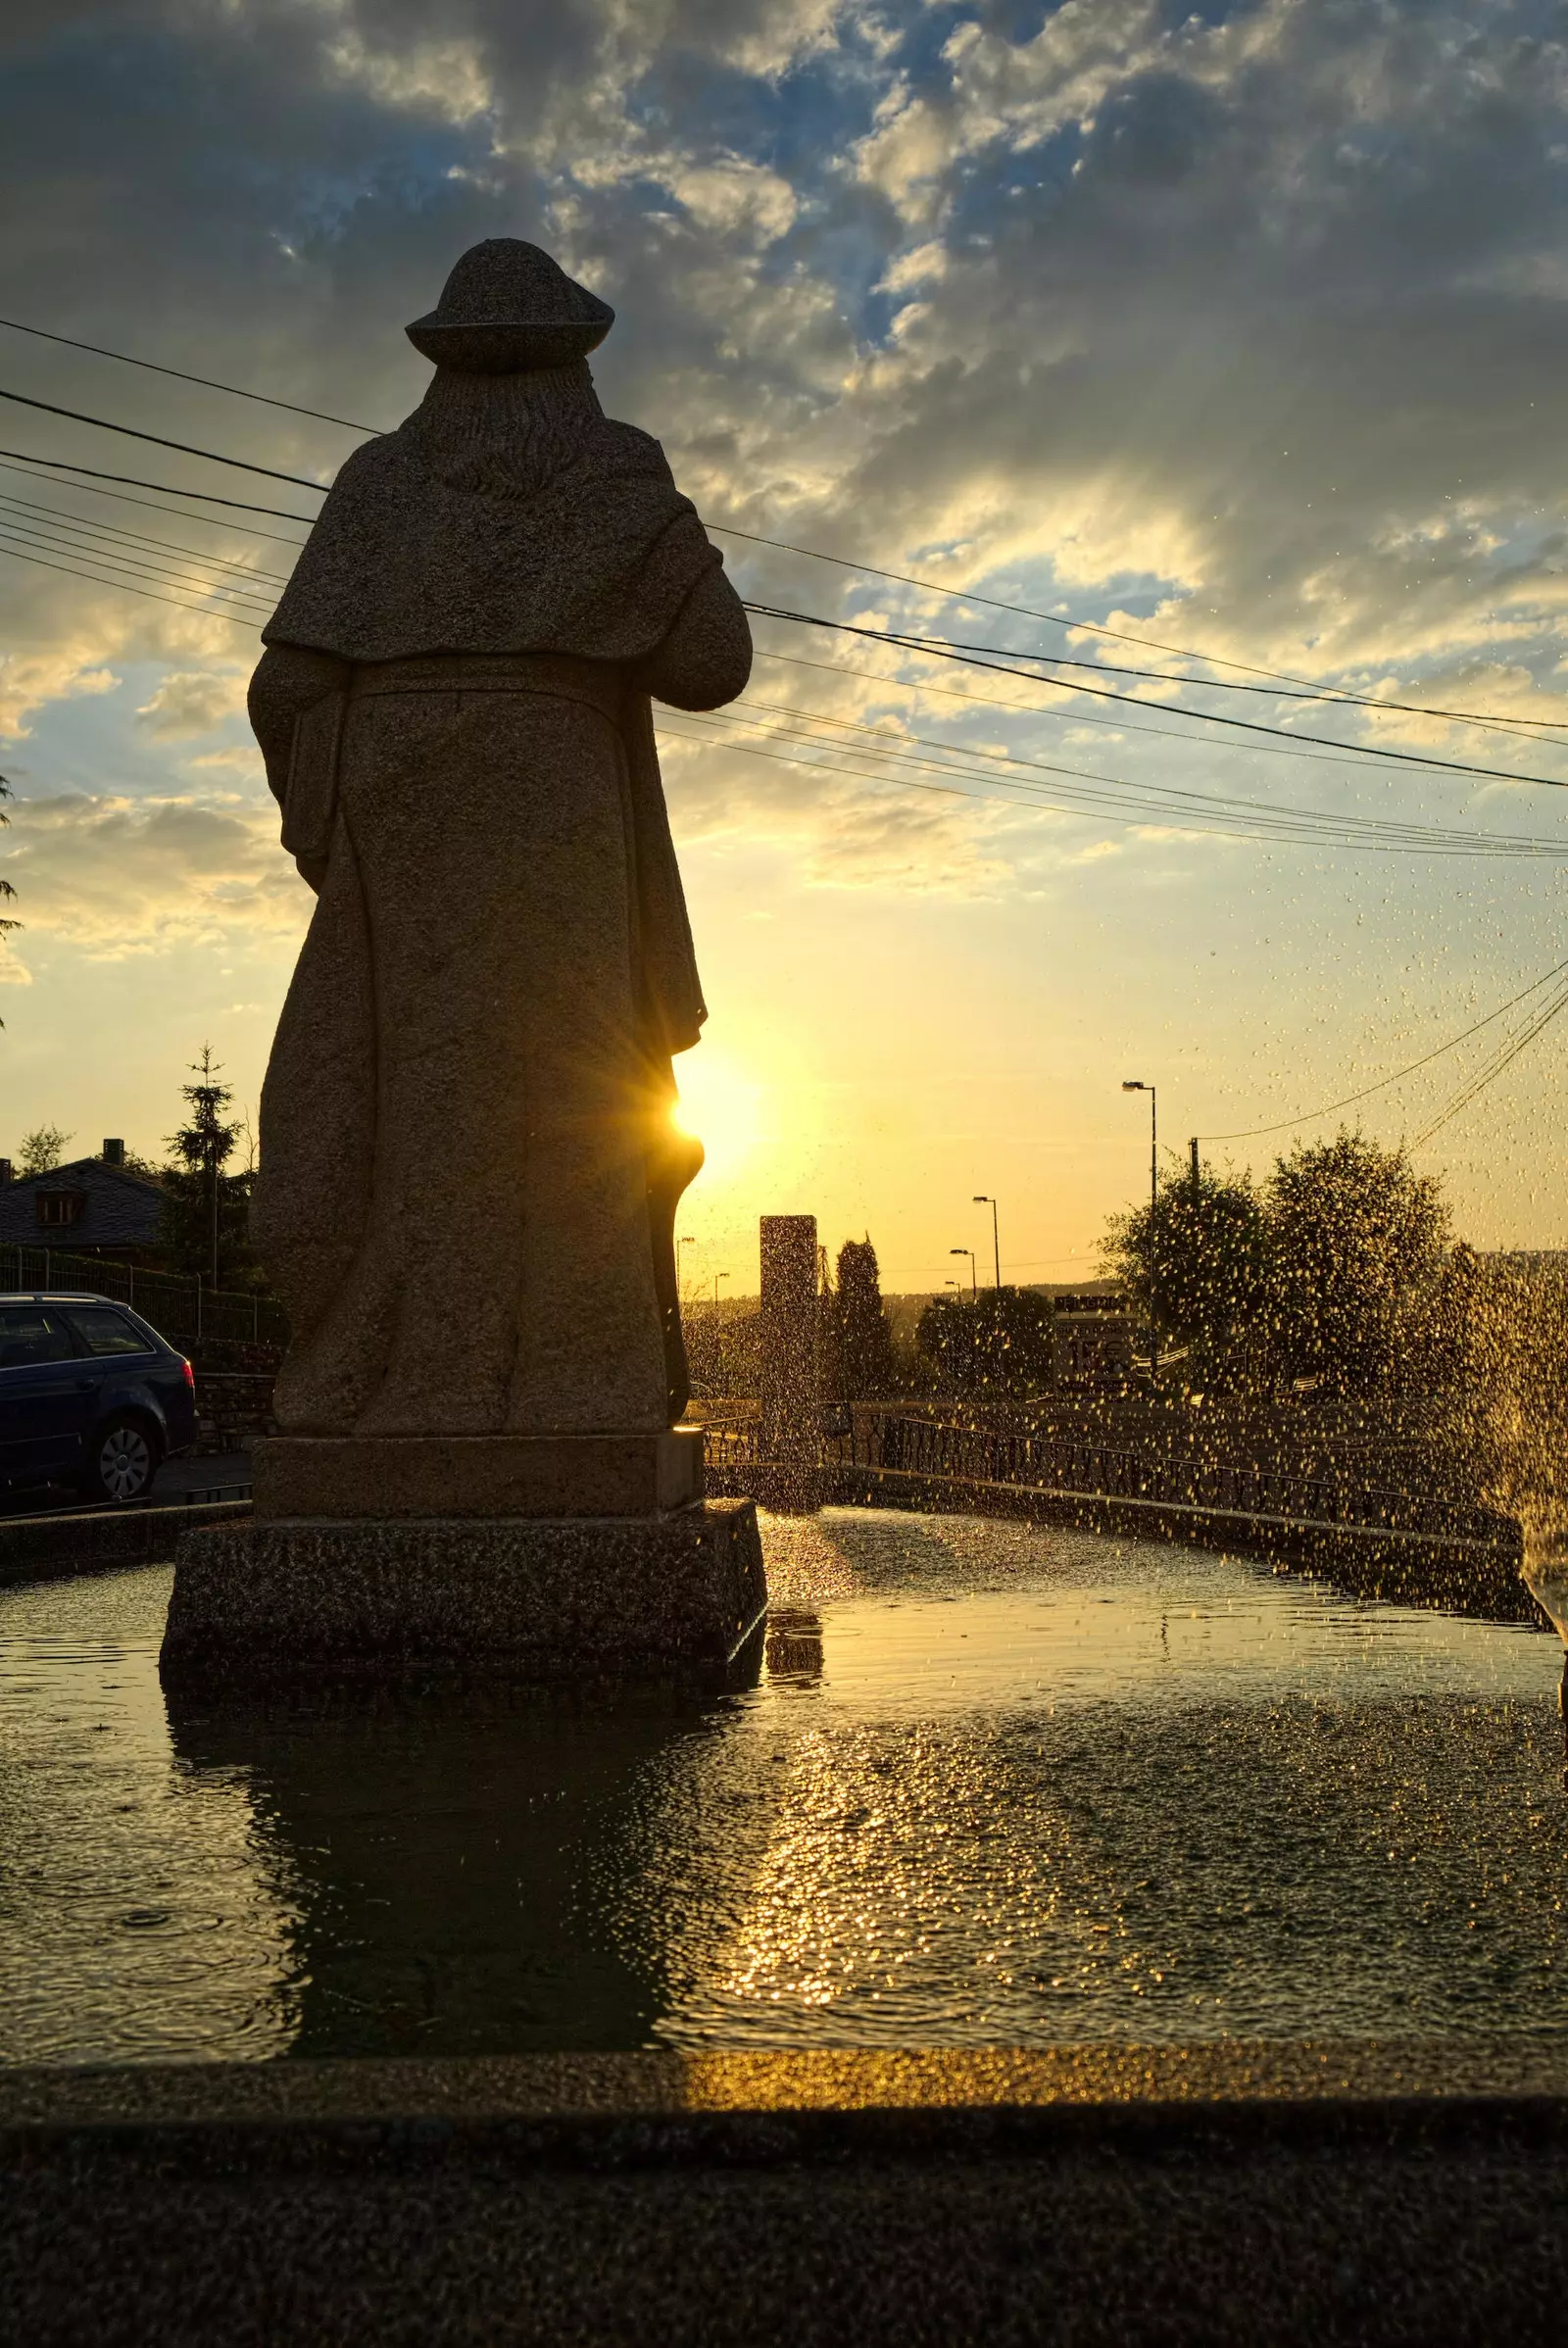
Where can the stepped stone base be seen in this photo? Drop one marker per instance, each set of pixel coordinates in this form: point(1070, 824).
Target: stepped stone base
point(313, 1599)
point(386, 1476)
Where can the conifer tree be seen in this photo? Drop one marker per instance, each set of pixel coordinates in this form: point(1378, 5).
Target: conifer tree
point(205, 1207)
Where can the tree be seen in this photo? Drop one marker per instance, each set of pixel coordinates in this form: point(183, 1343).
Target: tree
point(205, 1208)
point(6, 890)
point(1356, 1241)
point(861, 1340)
point(997, 1346)
point(41, 1150)
point(1195, 1264)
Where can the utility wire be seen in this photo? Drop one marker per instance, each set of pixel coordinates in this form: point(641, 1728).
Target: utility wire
point(60, 518)
point(12, 539)
point(1087, 627)
point(1056, 716)
point(130, 432)
point(943, 648)
point(61, 465)
point(206, 521)
point(1314, 691)
point(1104, 807)
point(899, 744)
point(1502, 1059)
point(207, 382)
point(1257, 1132)
point(180, 602)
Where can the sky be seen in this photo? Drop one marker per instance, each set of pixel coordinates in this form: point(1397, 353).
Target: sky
point(1240, 330)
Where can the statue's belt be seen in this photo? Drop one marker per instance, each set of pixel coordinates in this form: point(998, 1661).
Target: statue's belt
point(560, 675)
point(311, 797)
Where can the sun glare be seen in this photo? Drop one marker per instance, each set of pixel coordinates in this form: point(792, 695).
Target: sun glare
point(720, 1106)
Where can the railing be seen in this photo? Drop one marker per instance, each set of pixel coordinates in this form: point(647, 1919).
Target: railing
point(181, 1311)
point(912, 1447)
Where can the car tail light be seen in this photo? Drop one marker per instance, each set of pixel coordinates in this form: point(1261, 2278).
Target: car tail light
point(190, 1375)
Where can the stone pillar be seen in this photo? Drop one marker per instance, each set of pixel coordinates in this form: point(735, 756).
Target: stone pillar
point(788, 1359)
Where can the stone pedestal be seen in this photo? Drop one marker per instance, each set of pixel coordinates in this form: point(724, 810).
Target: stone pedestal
point(554, 1555)
point(579, 1596)
point(386, 1476)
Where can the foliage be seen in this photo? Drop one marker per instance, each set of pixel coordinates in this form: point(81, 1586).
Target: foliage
point(1356, 1241)
point(1195, 1264)
point(1338, 1270)
point(41, 1151)
point(997, 1346)
point(859, 1341)
point(195, 1181)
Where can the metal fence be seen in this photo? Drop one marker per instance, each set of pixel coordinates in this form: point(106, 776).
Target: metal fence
point(907, 1445)
point(181, 1310)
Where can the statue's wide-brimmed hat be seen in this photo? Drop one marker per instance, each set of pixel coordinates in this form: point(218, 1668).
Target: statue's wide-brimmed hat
point(508, 307)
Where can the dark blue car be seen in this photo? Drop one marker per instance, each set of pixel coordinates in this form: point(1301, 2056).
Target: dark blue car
point(89, 1395)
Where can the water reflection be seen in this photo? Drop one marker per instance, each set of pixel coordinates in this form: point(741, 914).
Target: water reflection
point(995, 1786)
point(442, 1853)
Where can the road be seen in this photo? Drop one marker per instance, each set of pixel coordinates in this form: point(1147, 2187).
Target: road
point(174, 1480)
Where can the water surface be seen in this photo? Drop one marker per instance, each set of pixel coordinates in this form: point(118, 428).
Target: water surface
point(995, 1786)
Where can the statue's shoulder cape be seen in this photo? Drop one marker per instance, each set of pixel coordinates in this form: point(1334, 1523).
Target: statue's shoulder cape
point(400, 563)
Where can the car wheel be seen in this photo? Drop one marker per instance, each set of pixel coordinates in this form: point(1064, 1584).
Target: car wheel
point(122, 1461)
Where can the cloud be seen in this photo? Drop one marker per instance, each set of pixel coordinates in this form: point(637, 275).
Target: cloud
point(115, 876)
point(1239, 328)
point(192, 702)
point(30, 681)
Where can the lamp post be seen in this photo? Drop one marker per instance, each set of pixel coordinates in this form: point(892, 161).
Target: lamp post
point(981, 1200)
point(974, 1284)
point(685, 1240)
point(1133, 1085)
point(718, 1277)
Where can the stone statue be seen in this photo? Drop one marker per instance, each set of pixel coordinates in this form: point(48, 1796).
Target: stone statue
point(469, 1174)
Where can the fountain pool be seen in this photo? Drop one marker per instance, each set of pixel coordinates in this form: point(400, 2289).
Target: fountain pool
point(994, 1786)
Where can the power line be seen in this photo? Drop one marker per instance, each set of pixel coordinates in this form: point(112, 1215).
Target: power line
point(205, 522)
point(1257, 1132)
point(61, 465)
point(207, 382)
point(180, 602)
point(899, 744)
point(1312, 689)
point(1089, 627)
point(943, 648)
point(1105, 804)
point(130, 432)
point(1057, 717)
point(1503, 1058)
point(12, 537)
point(60, 518)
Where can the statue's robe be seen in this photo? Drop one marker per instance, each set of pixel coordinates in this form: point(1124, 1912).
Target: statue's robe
point(469, 1175)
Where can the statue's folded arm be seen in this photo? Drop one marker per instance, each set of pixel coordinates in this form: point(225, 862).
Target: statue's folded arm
point(706, 658)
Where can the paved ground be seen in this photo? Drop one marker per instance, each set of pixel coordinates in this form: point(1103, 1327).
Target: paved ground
point(174, 1479)
point(1185, 2232)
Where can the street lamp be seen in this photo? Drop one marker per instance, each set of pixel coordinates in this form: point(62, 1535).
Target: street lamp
point(974, 1284)
point(685, 1240)
point(981, 1200)
point(1132, 1085)
point(718, 1277)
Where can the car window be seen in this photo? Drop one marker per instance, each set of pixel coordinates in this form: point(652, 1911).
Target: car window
point(31, 1333)
point(102, 1330)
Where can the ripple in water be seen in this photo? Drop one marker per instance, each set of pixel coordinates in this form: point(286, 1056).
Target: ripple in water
point(996, 1786)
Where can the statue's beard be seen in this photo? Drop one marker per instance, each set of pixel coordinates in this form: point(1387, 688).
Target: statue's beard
point(506, 435)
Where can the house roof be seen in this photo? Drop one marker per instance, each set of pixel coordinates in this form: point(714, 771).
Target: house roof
point(120, 1208)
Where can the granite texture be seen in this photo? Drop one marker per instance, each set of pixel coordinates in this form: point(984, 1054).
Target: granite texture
point(507, 1595)
point(1315, 2196)
point(509, 306)
point(468, 1176)
point(478, 1475)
